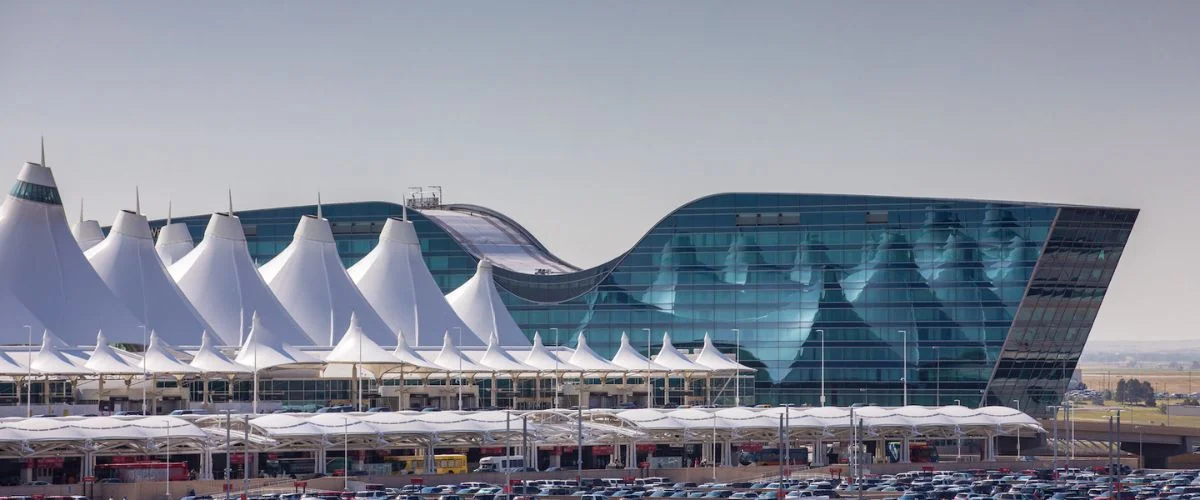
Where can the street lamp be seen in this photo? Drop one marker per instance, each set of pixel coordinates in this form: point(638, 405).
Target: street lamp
point(460, 373)
point(29, 375)
point(737, 377)
point(822, 332)
point(904, 378)
point(649, 388)
point(556, 372)
point(145, 373)
point(958, 446)
point(937, 356)
point(1017, 402)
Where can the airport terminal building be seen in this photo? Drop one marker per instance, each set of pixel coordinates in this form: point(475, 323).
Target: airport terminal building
point(865, 299)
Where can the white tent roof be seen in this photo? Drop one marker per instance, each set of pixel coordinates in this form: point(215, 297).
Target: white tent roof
point(87, 233)
point(43, 268)
point(49, 360)
point(453, 360)
point(9, 366)
point(356, 346)
point(496, 358)
point(396, 282)
point(220, 280)
point(713, 359)
point(406, 354)
point(543, 359)
point(309, 280)
point(627, 357)
point(159, 359)
point(671, 358)
point(210, 360)
point(128, 264)
point(479, 305)
point(587, 359)
point(105, 360)
point(263, 350)
point(174, 241)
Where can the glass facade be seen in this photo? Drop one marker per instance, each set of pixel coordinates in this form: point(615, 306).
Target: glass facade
point(898, 299)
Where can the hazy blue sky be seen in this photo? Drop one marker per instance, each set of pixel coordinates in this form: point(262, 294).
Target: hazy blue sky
point(589, 121)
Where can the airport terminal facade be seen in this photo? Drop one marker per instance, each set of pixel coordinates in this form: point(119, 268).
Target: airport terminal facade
point(894, 300)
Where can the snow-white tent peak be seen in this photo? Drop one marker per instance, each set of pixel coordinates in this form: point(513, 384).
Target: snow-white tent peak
point(452, 359)
point(128, 264)
point(671, 358)
point(398, 285)
point(105, 360)
point(222, 283)
point(262, 349)
point(51, 361)
point(408, 355)
point(44, 270)
point(209, 359)
point(496, 358)
point(587, 359)
point(541, 358)
point(174, 241)
point(309, 280)
point(479, 305)
point(356, 346)
point(712, 358)
point(159, 360)
point(627, 357)
point(87, 233)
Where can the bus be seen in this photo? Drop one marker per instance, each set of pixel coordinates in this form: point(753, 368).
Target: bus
point(415, 464)
point(514, 463)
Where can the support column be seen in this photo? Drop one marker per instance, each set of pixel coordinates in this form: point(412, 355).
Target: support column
point(631, 455)
point(494, 389)
point(905, 457)
point(819, 458)
point(708, 389)
point(666, 390)
point(880, 451)
point(686, 390)
point(727, 454)
point(429, 469)
point(206, 467)
point(556, 458)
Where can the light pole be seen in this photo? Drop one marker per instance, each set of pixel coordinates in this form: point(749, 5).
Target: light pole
point(345, 453)
point(649, 388)
point(958, 445)
point(228, 453)
point(1054, 459)
point(460, 373)
point(556, 370)
point(29, 375)
point(1017, 404)
point(579, 445)
point(937, 356)
point(822, 333)
point(904, 378)
point(168, 460)
point(737, 377)
point(145, 374)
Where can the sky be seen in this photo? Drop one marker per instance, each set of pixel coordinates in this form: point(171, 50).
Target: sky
point(588, 121)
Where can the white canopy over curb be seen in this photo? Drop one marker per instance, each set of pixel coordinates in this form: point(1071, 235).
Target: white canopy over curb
point(44, 270)
point(479, 305)
point(105, 360)
point(221, 281)
point(627, 357)
point(263, 350)
point(160, 361)
point(674, 360)
point(713, 359)
point(500, 360)
point(49, 360)
point(174, 242)
point(543, 359)
point(396, 282)
point(309, 280)
point(453, 360)
point(128, 264)
point(587, 359)
point(406, 354)
point(87, 233)
point(355, 347)
point(210, 360)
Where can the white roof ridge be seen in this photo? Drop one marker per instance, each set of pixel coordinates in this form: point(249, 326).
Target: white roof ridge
point(628, 357)
point(587, 359)
point(541, 358)
point(50, 360)
point(452, 359)
point(713, 358)
point(209, 359)
point(159, 360)
point(496, 358)
point(356, 347)
point(105, 360)
point(479, 305)
point(671, 358)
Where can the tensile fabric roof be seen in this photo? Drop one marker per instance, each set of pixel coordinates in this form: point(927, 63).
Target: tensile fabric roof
point(479, 305)
point(174, 241)
point(87, 233)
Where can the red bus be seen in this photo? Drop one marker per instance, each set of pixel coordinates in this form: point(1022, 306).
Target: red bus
point(134, 472)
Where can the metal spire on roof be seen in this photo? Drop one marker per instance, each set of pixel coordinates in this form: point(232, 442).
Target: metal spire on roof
point(168, 212)
point(230, 201)
point(43, 150)
point(137, 200)
point(404, 213)
point(319, 207)
point(80, 209)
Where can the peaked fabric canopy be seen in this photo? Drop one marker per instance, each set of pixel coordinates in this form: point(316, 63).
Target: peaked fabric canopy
point(542, 359)
point(479, 305)
point(87, 233)
point(357, 347)
point(310, 282)
point(50, 360)
point(500, 360)
point(396, 282)
point(674, 360)
point(587, 359)
point(263, 350)
point(44, 270)
point(221, 281)
point(453, 360)
point(159, 360)
point(410, 357)
point(627, 357)
point(174, 241)
point(210, 360)
point(713, 359)
point(128, 264)
point(105, 360)
point(9, 366)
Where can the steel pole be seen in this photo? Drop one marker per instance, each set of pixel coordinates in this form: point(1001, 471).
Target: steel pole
point(822, 333)
point(904, 378)
point(649, 388)
point(579, 446)
point(228, 453)
point(246, 458)
point(737, 358)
